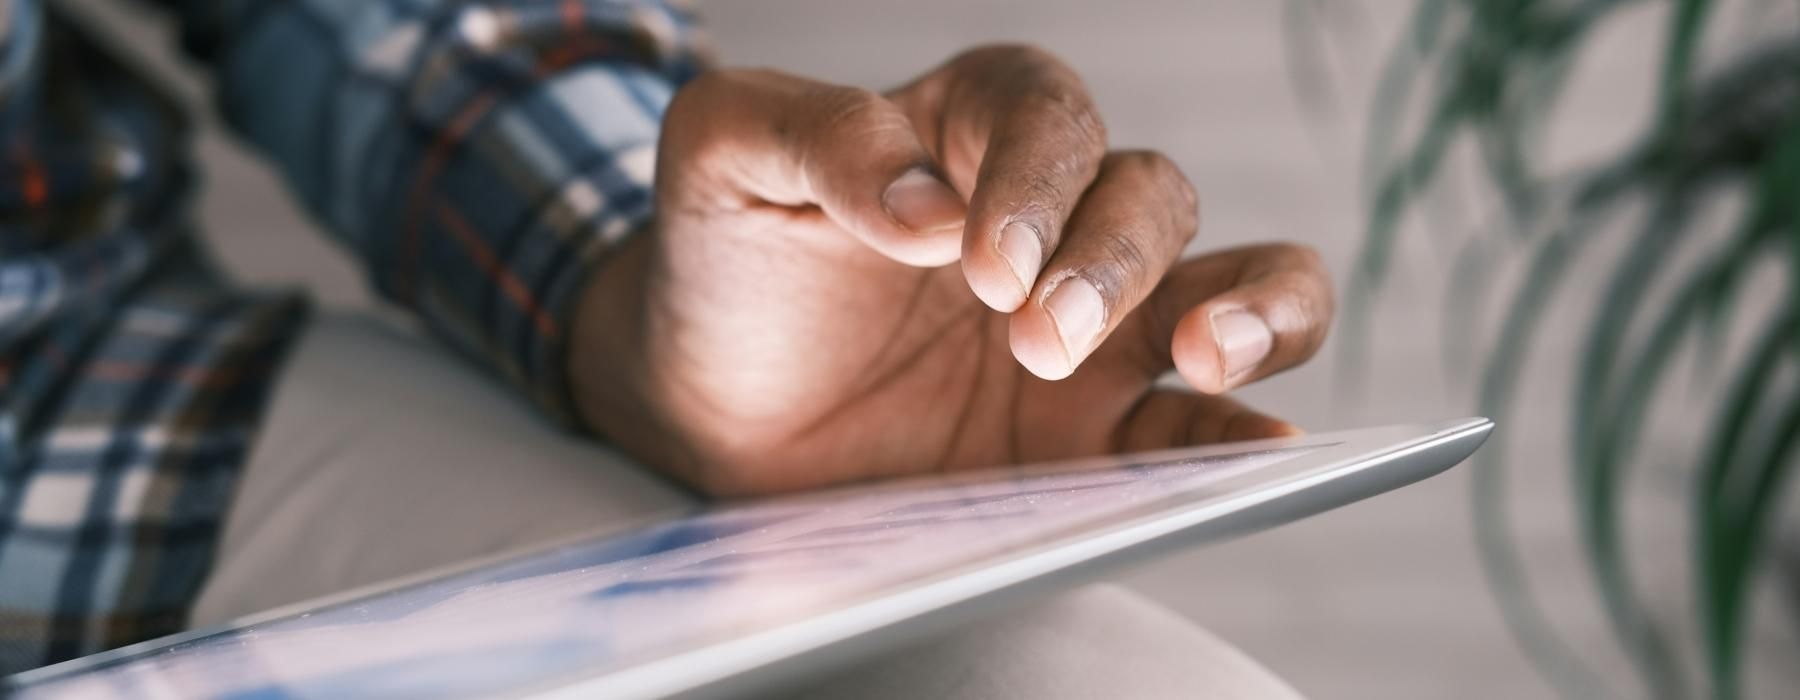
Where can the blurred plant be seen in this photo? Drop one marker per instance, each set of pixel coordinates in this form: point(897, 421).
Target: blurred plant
point(1491, 72)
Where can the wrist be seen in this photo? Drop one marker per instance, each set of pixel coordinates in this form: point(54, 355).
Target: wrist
point(606, 363)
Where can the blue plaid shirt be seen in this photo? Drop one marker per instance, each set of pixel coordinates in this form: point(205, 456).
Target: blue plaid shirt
point(478, 156)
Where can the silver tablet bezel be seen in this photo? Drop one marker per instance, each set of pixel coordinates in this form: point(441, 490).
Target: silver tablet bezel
point(1343, 467)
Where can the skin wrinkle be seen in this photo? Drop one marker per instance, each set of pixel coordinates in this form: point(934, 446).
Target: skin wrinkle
point(893, 375)
point(1155, 334)
point(1026, 72)
point(1036, 84)
point(885, 378)
point(838, 108)
point(1125, 260)
point(942, 463)
point(1121, 432)
point(913, 300)
point(874, 381)
point(957, 147)
point(940, 155)
point(1228, 427)
point(1233, 270)
point(1038, 187)
point(669, 324)
point(1076, 109)
point(1182, 431)
point(925, 96)
point(694, 467)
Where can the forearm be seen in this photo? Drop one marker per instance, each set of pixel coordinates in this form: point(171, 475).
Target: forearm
point(480, 158)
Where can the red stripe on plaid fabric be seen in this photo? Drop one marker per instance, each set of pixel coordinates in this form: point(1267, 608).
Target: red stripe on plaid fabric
point(203, 377)
point(495, 270)
point(34, 185)
point(572, 14)
point(578, 48)
point(198, 377)
point(406, 277)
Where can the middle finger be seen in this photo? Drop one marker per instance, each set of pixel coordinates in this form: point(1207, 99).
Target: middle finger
point(1019, 133)
point(1130, 227)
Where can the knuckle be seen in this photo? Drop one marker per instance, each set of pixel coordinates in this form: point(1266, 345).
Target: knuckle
point(713, 85)
point(1068, 102)
point(1040, 191)
point(840, 103)
point(1148, 171)
point(1152, 165)
point(1006, 54)
point(852, 113)
point(1127, 251)
point(689, 129)
point(1125, 261)
point(1024, 52)
point(1158, 174)
point(1294, 255)
point(1309, 302)
point(686, 106)
point(711, 81)
point(712, 101)
point(1309, 320)
point(1035, 81)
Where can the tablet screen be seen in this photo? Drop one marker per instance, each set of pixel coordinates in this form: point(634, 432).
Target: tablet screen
point(606, 604)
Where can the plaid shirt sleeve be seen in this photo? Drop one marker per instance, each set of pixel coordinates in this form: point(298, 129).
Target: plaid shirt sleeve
point(478, 156)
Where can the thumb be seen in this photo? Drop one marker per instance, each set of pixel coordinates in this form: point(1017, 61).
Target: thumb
point(771, 137)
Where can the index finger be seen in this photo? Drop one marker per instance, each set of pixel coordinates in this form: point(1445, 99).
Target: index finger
point(1022, 122)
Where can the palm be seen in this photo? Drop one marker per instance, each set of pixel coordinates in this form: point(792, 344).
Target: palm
point(884, 369)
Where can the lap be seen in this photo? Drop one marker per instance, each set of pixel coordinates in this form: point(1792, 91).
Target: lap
point(1101, 641)
point(383, 455)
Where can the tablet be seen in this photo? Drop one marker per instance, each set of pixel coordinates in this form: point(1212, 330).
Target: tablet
point(736, 597)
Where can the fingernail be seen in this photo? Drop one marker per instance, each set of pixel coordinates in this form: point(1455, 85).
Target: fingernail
point(923, 203)
point(1023, 251)
point(1243, 339)
point(1078, 312)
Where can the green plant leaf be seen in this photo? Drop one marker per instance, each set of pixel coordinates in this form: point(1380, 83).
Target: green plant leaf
point(1394, 88)
point(1610, 416)
point(1309, 76)
point(1686, 24)
point(1720, 557)
point(1488, 494)
point(1740, 544)
point(1728, 521)
point(1600, 483)
point(1473, 271)
point(1384, 222)
point(1493, 70)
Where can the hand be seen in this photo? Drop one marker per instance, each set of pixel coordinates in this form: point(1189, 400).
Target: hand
point(795, 318)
